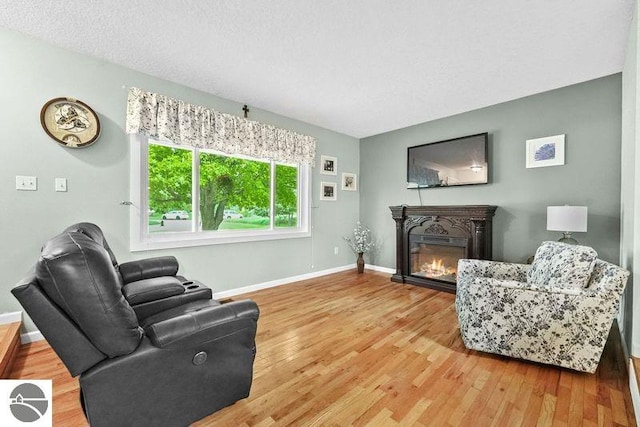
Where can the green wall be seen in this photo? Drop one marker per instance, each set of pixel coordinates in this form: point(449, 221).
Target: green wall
point(33, 72)
point(590, 116)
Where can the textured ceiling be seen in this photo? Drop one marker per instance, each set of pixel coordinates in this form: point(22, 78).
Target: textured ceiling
point(360, 67)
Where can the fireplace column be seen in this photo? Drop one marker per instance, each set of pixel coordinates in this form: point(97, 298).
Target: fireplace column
point(481, 230)
point(397, 213)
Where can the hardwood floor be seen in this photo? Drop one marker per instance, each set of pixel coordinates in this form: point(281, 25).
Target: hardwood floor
point(350, 349)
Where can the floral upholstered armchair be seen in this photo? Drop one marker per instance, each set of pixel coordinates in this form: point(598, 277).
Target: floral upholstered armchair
point(559, 310)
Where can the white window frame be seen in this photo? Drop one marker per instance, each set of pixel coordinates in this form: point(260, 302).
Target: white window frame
point(140, 238)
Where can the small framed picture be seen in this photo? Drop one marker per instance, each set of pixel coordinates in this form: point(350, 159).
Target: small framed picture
point(328, 191)
point(328, 165)
point(349, 182)
point(547, 151)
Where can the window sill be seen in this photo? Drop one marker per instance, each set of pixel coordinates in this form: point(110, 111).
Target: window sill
point(185, 240)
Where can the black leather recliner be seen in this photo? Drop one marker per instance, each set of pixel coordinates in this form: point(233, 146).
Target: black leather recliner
point(149, 285)
point(151, 348)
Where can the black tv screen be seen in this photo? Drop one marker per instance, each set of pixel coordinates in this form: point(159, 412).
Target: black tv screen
point(459, 161)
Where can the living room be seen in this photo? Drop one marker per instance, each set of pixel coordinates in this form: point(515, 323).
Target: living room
point(596, 114)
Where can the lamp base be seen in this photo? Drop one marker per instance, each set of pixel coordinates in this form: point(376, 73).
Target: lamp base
point(566, 238)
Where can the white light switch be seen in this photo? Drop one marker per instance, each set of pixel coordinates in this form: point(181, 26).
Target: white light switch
point(29, 183)
point(61, 184)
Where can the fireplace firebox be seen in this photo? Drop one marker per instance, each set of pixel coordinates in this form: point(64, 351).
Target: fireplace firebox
point(436, 258)
point(431, 239)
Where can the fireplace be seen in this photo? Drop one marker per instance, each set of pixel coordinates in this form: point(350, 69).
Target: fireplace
point(436, 258)
point(431, 239)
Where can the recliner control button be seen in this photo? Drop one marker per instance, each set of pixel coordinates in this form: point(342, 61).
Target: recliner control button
point(200, 358)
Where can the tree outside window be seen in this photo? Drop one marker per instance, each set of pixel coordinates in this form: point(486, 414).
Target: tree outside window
point(234, 193)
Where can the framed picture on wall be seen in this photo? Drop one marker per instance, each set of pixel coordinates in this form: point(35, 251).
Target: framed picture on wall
point(349, 182)
point(328, 165)
point(328, 191)
point(547, 151)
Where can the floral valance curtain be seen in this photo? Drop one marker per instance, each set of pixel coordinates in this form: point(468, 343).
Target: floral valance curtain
point(167, 118)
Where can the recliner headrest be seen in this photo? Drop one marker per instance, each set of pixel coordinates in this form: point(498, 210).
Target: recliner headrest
point(77, 273)
point(96, 234)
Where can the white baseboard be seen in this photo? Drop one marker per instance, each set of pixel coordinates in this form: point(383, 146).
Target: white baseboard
point(28, 337)
point(274, 283)
point(635, 393)
point(15, 316)
point(381, 269)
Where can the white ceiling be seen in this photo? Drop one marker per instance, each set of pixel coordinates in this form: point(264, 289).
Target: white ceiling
point(360, 67)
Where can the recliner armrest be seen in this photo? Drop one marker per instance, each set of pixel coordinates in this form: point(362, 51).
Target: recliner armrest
point(204, 325)
point(148, 268)
point(153, 289)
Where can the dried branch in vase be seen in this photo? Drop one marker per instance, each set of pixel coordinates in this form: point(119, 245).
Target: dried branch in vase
point(361, 241)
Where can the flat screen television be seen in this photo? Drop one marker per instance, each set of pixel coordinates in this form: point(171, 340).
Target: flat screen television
point(458, 161)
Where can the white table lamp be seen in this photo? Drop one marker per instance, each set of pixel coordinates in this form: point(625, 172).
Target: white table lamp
point(567, 219)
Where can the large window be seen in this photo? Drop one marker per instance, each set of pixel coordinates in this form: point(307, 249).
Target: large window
point(189, 196)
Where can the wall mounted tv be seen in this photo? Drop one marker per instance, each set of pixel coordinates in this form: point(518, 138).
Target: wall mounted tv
point(459, 161)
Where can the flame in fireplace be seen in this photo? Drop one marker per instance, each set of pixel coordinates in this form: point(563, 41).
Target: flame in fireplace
point(437, 268)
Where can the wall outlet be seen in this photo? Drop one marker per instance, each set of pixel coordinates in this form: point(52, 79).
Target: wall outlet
point(335, 250)
point(28, 183)
point(61, 184)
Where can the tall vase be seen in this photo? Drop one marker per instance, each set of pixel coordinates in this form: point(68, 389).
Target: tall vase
point(360, 263)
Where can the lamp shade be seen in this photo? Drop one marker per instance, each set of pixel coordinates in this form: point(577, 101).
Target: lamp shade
point(567, 218)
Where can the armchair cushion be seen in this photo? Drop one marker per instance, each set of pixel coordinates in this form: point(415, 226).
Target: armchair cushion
point(562, 265)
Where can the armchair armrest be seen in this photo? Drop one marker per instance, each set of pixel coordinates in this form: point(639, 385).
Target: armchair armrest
point(468, 268)
point(608, 280)
point(203, 325)
point(526, 286)
point(148, 268)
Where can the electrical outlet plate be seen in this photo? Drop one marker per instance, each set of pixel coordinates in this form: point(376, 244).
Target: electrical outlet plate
point(28, 183)
point(61, 184)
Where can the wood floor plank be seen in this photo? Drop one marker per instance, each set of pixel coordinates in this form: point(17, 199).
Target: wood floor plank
point(349, 349)
point(548, 409)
